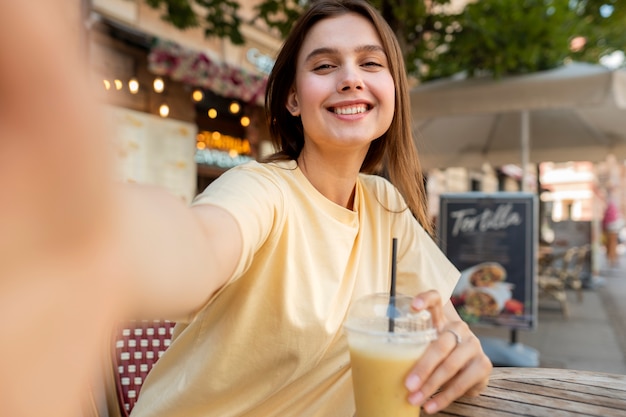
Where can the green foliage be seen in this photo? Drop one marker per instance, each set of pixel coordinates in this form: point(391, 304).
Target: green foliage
point(501, 37)
point(177, 12)
point(506, 37)
point(279, 14)
point(416, 24)
point(603, 28)
point(219, 17)
point(496, 37)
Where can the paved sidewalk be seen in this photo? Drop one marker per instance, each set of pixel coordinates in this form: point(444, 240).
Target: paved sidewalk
point(593, 338)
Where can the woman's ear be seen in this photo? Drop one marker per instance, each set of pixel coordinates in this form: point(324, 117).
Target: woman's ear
point(292, 103)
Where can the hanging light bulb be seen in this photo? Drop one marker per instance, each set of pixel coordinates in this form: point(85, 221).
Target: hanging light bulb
point(197, 95)
point(245, 121)
point(133, 85)
point(158, 85)
point(234, 107)
point(212, 113)
point(164, 110)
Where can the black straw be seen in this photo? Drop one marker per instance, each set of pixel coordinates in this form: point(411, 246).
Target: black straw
point(392, 289)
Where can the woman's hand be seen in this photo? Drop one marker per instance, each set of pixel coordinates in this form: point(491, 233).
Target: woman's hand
point(453, 365)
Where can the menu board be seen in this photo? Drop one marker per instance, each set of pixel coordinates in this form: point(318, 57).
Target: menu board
point(154, 150)
point(492, 239)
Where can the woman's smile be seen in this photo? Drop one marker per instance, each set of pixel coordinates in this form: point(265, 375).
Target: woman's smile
point(350, 109)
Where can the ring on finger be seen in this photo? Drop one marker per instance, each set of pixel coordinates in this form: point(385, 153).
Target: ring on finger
point(457, 336)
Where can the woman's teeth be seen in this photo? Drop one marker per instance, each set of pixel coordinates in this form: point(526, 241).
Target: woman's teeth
point(350, 109)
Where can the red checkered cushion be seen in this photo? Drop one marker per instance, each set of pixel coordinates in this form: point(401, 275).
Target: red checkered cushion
point(138, 345)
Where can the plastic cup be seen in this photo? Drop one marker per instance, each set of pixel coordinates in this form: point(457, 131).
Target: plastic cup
point(386, 337)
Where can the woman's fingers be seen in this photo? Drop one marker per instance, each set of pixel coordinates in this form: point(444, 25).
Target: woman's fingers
point(448, 369)
point(436, 355)
point(453, 365)
point(464, 372)
point(431, 301)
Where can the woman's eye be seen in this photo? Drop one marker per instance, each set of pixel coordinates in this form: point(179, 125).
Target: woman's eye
point(322, 67)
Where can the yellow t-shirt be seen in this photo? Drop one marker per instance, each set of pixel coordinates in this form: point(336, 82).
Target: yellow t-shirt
point(271, 343)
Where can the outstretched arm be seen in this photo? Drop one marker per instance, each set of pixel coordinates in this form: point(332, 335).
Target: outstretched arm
point(76, 251)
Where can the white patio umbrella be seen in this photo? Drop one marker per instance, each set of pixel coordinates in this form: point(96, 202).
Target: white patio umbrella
point(573, 113)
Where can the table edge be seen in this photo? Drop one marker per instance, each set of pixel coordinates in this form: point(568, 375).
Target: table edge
point(551, 373)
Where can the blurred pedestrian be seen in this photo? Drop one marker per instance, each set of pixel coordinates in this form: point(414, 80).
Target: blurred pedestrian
point(612, 223)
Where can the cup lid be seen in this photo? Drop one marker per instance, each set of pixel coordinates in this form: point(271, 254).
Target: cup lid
point(382, 314)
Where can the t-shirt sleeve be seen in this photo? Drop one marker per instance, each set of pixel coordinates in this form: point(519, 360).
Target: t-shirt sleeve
point(422, 266)
point(425, 266)
point(252, 196)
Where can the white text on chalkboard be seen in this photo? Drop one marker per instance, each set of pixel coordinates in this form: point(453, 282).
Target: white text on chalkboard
point(468, 220)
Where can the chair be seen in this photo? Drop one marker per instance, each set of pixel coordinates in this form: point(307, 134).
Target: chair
point(137, 346)
point(553, 279)
point(553, 287)
point(573, 277)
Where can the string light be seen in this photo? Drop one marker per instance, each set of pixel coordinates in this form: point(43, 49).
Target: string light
point(245, 121)
point(158, 85)
point(234, 107)
point(107, 84)
point(197, 95)
point(212, 113)
point(133, 86)
point(164, 110)
point(118, 84)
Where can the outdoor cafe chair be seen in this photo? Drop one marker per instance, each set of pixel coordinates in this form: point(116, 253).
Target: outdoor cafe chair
point(574, 278)
point(137, 346)
point(553, 277)
point(561, 272)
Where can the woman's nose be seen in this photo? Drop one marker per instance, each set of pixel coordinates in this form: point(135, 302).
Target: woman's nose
point(350, 80)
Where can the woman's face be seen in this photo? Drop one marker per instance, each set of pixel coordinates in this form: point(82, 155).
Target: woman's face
point(343, 90)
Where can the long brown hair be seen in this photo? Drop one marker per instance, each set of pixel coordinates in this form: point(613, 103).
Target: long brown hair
point(394, 152)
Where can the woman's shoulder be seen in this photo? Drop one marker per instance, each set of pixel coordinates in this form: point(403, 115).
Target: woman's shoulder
point(383, 191)
point(271, 168)
point(259, 171)
point(250, 180)
point(379, 185)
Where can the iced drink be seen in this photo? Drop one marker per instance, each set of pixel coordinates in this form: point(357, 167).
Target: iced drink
point(378, 374)
point(383, 352)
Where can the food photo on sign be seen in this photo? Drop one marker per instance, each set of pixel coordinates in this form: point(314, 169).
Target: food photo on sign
point(490, 238)
point(482, 290)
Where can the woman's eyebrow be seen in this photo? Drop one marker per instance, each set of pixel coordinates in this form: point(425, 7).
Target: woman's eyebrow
point(334, 51)
point(371, 48)
point(321, 51)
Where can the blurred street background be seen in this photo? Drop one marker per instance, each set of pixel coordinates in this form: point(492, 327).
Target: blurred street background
point(593, 338)
point(506, 96)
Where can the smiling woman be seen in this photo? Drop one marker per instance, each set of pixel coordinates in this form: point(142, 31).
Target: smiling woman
point(337, 105)
point(260, 271)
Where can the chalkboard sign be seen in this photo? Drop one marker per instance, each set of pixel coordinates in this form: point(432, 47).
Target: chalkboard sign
point(492, 239)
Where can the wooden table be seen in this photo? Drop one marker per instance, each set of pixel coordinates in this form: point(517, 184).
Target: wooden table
point(545, 392)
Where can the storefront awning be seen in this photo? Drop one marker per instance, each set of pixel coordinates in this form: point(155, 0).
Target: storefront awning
point(191, 67)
